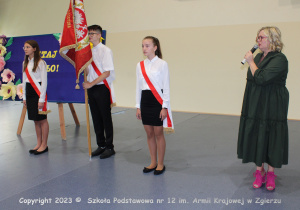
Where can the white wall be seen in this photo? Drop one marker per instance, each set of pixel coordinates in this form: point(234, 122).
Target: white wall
point(203, 42)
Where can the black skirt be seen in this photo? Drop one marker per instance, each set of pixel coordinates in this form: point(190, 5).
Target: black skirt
point(32, 100)
point(150, 109)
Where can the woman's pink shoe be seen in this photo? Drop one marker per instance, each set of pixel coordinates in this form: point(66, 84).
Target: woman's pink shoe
point(270, 181)
point(259, 179)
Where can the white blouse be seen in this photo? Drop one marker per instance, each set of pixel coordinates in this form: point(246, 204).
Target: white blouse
point(40, 75)
point(159, 71)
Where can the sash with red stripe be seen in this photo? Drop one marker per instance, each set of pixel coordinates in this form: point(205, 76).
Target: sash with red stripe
point(156, 95)
point(38, 92)
point(98, 72)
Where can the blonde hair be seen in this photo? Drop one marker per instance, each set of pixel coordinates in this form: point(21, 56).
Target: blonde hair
point(274, 36)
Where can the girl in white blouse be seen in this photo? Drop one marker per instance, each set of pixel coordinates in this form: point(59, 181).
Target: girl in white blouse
point(36, 71)
point(149, 110)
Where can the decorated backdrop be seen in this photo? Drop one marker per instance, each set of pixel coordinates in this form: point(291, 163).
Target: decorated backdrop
point(61, 74)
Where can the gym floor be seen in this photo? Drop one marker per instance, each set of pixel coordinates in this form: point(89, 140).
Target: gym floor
point(202, 169)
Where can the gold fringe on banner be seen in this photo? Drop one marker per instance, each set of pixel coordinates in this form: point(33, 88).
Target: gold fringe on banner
point(169, 130)
point(113, 104)
point(61, 50)
point(44, 113)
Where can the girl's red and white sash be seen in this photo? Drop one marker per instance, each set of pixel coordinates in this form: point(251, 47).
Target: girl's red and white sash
point(37, 87)
point(156, 91)
point(109, 86)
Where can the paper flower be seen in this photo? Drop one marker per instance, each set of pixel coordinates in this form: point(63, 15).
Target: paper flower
point(8, 90)
point(2, 50)
point(3, 40)
point(20, 91)
point(7, 75)
point(2, 63)
point(59, 40)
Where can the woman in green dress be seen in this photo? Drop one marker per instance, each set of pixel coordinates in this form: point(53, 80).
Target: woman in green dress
point(263, 131)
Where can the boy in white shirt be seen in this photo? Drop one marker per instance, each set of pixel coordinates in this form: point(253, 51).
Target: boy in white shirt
point(100, 75)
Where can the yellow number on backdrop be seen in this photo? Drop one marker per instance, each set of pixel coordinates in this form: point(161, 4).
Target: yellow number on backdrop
point(52, 68)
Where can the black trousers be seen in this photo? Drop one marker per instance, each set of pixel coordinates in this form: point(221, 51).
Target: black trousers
point(99, 100)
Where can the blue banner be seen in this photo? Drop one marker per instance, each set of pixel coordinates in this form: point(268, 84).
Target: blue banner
point(61, 74)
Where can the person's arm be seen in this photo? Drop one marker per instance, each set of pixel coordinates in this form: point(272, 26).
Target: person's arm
point(138, 94)
point(24, 85)
point(276, 67)
point(166, 91)
point(250, 60)
point(103, 76)
point(43, 69)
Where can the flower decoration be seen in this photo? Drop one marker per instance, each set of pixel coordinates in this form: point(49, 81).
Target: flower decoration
point(2, 63)
point(59, 40)
point(58, 37)
point(20, 91)
point(8, 90)
point(7, 76)
point(2, 50)
point(3, 40)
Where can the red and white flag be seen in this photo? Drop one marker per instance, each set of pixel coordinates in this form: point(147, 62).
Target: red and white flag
point(75, 46)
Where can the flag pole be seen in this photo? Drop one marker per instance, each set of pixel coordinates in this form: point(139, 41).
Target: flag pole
point(87, 117)
point(77, 51)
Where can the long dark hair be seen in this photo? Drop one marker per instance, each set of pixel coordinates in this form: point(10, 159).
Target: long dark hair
point(157, 44)
point(37, 56)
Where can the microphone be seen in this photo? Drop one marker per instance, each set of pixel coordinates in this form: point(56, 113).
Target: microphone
point(252, 50)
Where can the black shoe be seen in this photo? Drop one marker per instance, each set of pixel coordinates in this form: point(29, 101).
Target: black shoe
point(98, 151)
point(32, 151)
point(147, 170)
point(158, 172)
point(38, 153)
point(107, 153)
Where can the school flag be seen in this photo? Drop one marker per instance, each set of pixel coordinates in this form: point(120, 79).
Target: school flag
point(75, 46)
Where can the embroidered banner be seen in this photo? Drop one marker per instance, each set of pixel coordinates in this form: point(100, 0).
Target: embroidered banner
point(75, 46)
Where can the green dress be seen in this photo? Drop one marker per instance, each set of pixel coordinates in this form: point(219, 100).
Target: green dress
point(263, 131)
